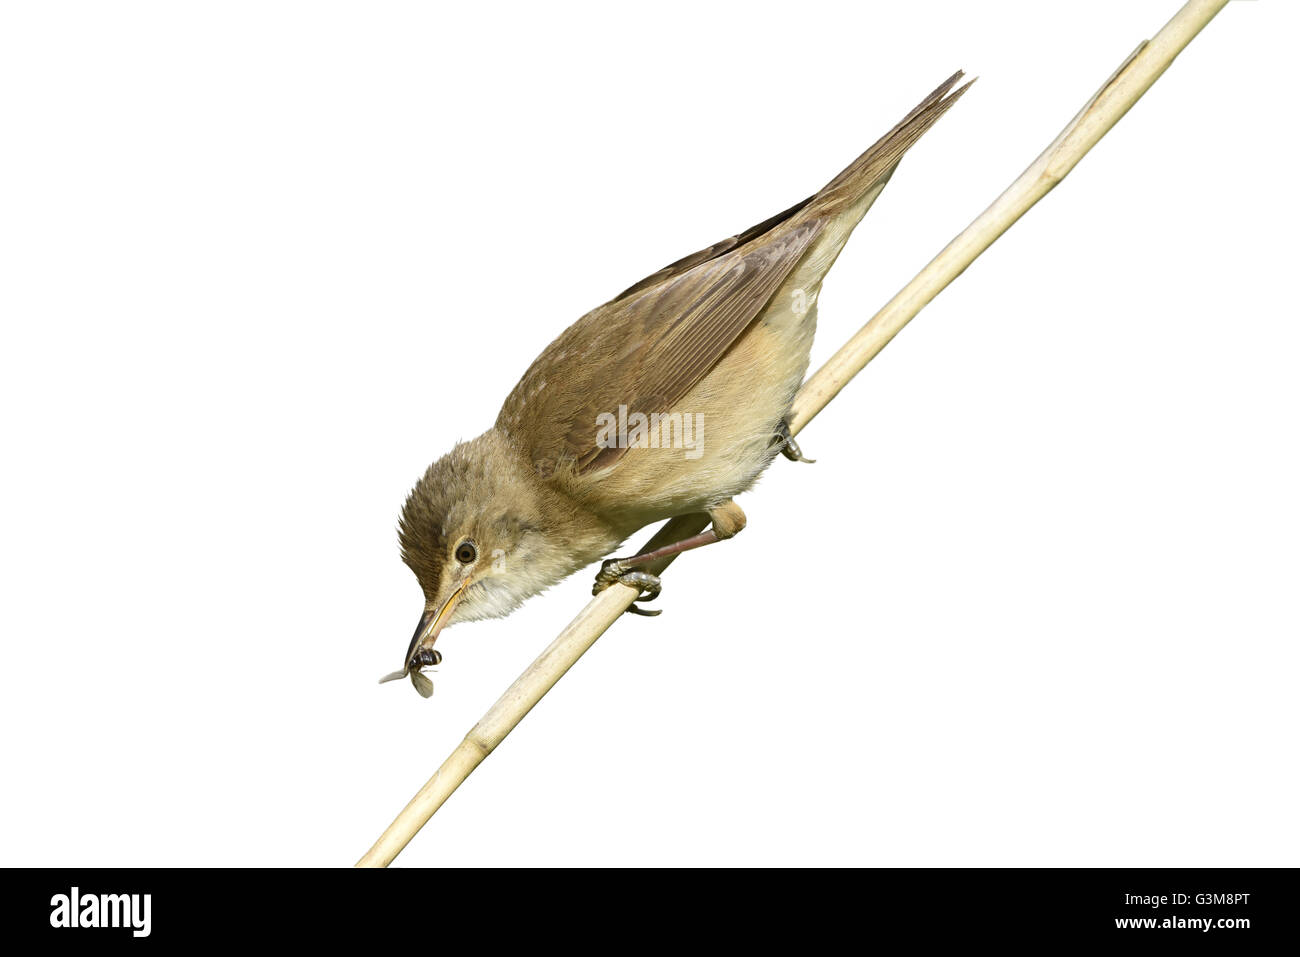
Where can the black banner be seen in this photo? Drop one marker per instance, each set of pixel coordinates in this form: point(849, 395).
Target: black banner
point(136, 908)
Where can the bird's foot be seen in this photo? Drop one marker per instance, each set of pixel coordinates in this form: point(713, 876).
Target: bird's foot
point(616, 570)
point(789, 447)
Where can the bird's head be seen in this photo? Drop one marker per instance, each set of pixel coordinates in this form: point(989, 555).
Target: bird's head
point(480, 534)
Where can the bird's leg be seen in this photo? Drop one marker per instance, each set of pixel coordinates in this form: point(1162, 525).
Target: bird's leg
point(789, 448)
point(727, 519)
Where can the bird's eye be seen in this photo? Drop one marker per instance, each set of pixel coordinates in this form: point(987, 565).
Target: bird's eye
point(466, 552)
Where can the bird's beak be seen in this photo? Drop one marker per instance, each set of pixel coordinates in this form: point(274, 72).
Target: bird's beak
point(426, 633)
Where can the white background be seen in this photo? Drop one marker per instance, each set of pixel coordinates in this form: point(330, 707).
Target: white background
point(263, 262)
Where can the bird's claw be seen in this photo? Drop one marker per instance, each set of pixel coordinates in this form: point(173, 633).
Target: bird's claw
point(789, 447)
point(615, 570)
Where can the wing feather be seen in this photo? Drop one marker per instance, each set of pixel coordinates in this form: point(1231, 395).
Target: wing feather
point(644, 350)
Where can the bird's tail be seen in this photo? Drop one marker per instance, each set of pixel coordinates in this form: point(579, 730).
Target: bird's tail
point(875, 166)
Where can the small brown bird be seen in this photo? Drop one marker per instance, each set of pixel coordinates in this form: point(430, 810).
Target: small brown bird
point(668, 400)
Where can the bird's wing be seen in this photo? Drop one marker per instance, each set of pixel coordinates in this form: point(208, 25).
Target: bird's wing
point(713, 252)
point(645, 349)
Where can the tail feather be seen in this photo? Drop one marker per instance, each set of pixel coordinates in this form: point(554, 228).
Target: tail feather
point(879, 160)
point(870, 169)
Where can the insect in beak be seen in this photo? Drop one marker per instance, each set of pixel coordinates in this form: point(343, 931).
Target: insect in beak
point(421, 654)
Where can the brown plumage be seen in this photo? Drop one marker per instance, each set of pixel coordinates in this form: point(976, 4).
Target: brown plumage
point(717, 341)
